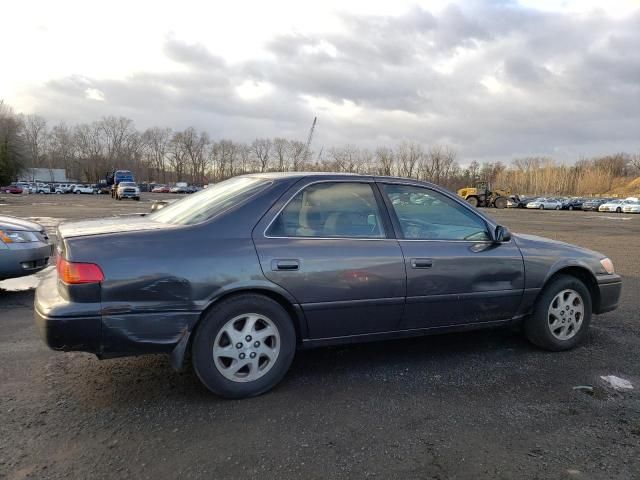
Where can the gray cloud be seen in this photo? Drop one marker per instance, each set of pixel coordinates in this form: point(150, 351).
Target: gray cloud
point(494, 79)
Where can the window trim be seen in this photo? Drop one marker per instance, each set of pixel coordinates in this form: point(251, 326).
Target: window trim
point(398, 227)
point(387, 223)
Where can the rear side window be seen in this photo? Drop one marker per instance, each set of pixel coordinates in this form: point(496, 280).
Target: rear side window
point(211, 201)
point(330, 210)
point(425, 214)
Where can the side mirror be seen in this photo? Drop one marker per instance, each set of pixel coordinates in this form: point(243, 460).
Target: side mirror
point(502, 234)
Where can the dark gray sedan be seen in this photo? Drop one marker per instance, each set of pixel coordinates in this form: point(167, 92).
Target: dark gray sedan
point(25, 247)
point(240, 275)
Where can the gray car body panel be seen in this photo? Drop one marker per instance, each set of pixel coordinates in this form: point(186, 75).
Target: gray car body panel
point(159, 279)
point(14, 256)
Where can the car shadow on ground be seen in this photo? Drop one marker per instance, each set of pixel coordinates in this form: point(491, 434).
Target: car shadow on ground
point(459, 357)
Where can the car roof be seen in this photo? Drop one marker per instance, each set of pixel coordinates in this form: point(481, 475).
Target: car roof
point(335, 175)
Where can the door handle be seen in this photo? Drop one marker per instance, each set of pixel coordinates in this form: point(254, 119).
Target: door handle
point(421, 262)
point(286, 265)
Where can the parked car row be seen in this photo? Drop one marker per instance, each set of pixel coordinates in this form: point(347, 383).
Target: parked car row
point(46, 188)
point(615, 205)
point(180, 187)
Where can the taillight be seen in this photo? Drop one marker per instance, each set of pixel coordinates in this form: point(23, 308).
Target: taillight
point(74, 272)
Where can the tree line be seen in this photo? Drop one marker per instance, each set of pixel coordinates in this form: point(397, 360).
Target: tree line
point(162, 155)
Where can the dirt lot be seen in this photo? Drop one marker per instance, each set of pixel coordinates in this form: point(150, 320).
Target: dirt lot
point(475, 405)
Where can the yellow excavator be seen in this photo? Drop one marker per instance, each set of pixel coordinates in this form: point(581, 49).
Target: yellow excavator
point(482, 196)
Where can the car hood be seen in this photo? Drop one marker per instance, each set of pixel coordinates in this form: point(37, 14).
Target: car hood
point(534, 241)
point(110, 225)
point(14, 223)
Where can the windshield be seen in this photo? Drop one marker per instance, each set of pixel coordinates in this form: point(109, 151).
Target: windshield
point(207, 203)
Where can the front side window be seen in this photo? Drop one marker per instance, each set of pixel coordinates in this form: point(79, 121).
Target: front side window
point(425, 214)
point(328, 210)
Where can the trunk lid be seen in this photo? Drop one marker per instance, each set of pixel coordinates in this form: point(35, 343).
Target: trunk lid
point(105, 226)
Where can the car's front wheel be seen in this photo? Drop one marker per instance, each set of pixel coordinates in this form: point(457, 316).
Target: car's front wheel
point(244, 346)
point(561, 316)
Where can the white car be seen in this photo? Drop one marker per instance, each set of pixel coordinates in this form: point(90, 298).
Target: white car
point(545, 203)
point(42, 188)
point(617, 205)
point(84, 189)
point(631, 208)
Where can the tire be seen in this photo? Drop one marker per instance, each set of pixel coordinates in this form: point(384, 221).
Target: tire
point(473, 201)
point(558, 207)
point(500, 202)
point(618, 210)
point(541, 207)
point(570, 207)
point(211, 332)
point(539, 327)
point(137, 199)
point(77, 192)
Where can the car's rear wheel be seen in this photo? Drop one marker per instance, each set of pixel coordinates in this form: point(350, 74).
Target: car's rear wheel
point(557, 207)
point(243, 346)
point(561, 316)
point(541, 207)
point(618, 210)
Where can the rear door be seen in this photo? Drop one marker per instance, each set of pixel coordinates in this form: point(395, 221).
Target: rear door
point(455, 274)
point(331, 245)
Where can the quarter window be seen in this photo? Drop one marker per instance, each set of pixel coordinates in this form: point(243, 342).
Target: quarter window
point(425, 214)
point(327, 210)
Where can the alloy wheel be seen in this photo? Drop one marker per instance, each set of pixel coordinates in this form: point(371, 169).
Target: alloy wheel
point(565, 315)
point(246, 347)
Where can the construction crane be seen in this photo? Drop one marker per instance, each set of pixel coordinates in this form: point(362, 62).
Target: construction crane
point(307, 151)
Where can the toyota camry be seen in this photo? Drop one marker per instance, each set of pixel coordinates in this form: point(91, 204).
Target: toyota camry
point(238, 276)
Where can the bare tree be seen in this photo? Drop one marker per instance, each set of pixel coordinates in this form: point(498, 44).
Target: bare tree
point(262, 149)
point(384, 158)
point(177, 156)
point(35, 135)
point(281, 147)
point(193, 145)
point(409, 155)
point(157, 141)
point(298, 152)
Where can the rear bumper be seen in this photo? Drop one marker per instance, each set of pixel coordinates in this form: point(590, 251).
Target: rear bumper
point(610, 287)
point(66, 325)
point(70, 333)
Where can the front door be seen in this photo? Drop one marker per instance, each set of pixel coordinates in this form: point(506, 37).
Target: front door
point(331, 247)
point(455, 273)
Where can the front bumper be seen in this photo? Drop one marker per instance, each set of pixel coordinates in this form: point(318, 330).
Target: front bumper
point(20, 259)
point(66, 325)
point(610, 287)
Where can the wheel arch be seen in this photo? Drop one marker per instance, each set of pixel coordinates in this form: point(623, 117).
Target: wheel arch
point(582, 273)
point(182, 351)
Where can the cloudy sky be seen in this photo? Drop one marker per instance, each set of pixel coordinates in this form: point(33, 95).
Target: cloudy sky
point(495, 79)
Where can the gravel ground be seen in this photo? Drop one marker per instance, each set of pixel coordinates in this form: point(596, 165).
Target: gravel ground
point(474, 405)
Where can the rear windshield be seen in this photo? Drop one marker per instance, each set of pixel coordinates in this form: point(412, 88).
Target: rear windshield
point(209, 202)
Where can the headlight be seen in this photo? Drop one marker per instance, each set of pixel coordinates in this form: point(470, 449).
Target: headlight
point(607, 264)
point(17, 236)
